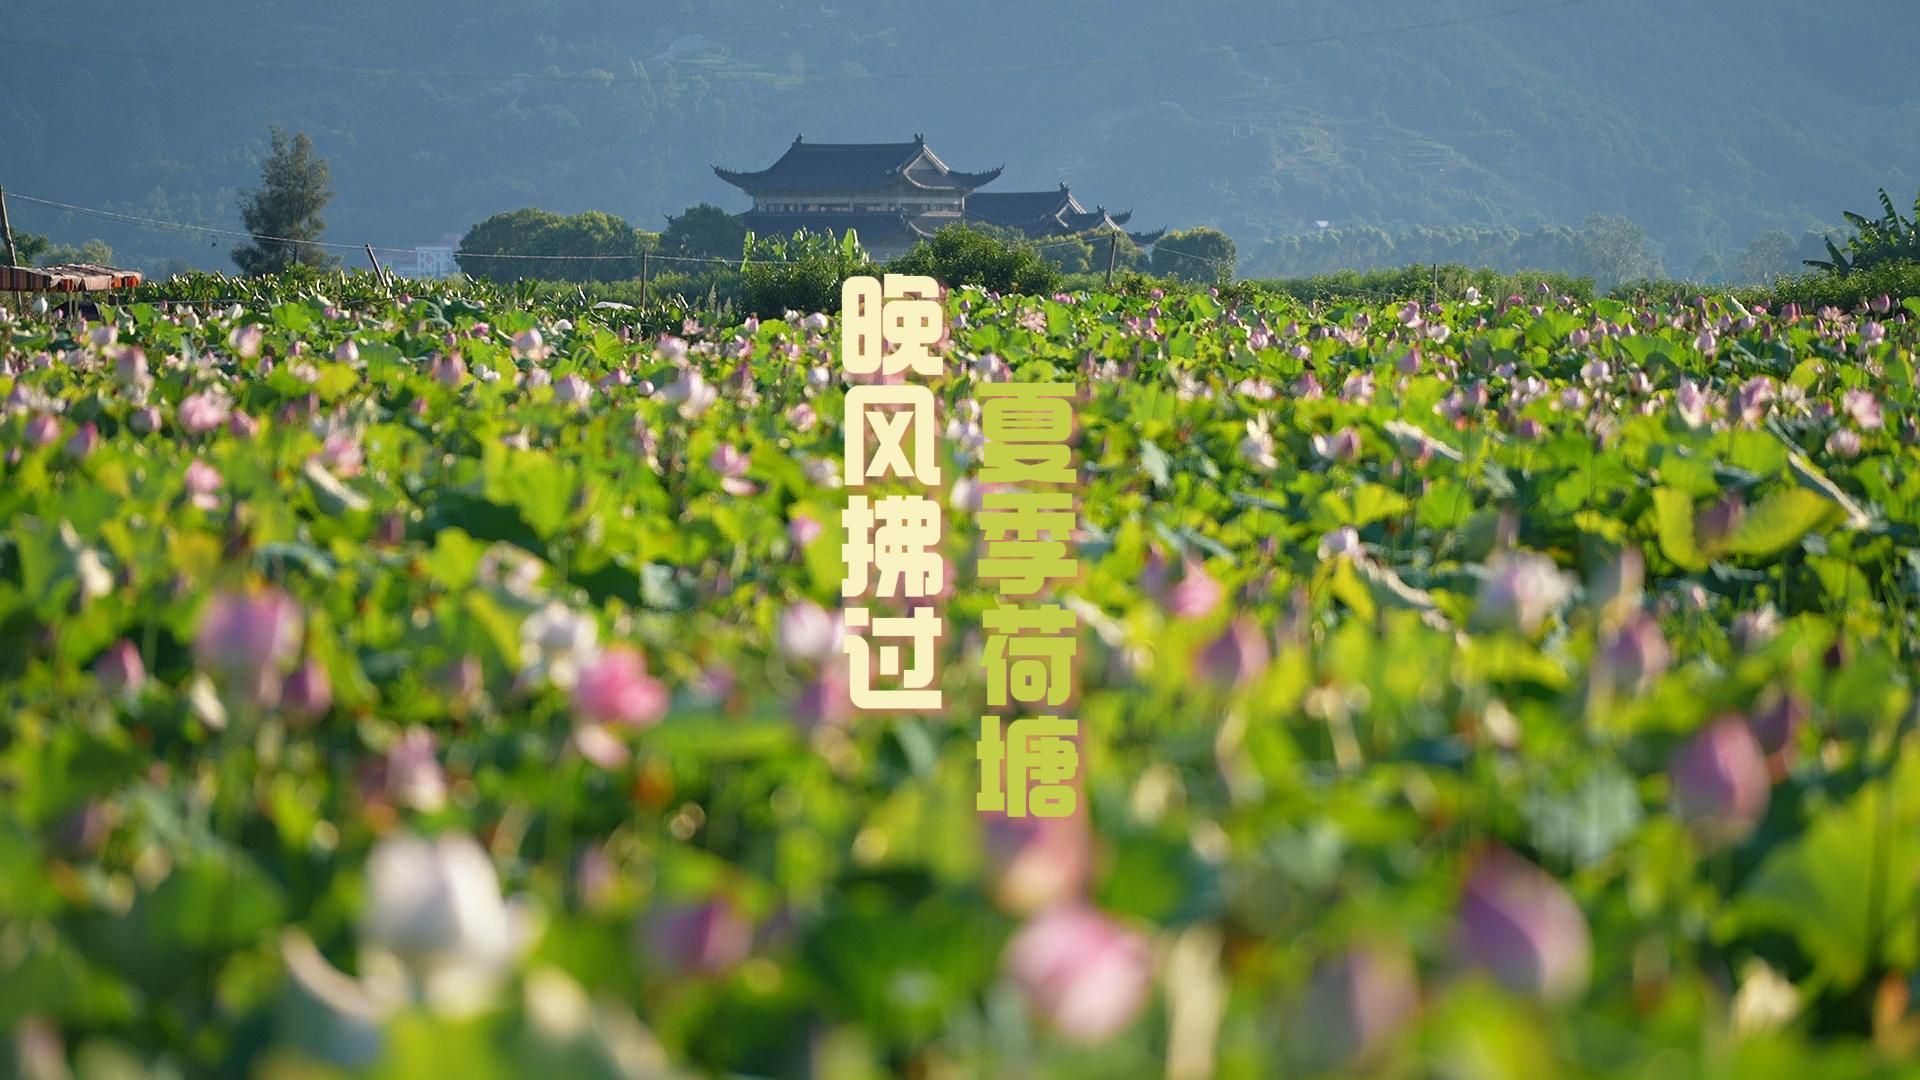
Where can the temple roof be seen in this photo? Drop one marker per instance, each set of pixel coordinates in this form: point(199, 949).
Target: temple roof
point(830, 167)
point(1042, 213)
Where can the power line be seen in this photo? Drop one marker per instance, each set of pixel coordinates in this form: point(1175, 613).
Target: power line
point(605, 77)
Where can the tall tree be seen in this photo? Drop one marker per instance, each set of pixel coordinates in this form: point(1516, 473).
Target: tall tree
point(284, 213)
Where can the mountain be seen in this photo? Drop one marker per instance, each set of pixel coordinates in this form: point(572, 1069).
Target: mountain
point(1707, 122)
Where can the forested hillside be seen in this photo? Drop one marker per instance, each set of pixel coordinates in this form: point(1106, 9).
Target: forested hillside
point(1706, 122)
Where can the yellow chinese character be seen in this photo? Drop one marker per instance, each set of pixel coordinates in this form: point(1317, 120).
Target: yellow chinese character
point(906, 315)
point(914, 322)
point(920, 630)
point(1041, 762)
point(866, 410)
point(899, 536)
point(1027, 412)
point(1022, 554)
point(1026, 654)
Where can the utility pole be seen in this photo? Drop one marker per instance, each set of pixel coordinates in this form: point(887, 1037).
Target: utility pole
point(379, 272)
point(6, 229)
point(1113, 249)
point(643, 277)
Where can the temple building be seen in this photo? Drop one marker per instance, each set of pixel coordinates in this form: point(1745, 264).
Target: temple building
point(892, 194)
point(1045, 214)
point(896, 194)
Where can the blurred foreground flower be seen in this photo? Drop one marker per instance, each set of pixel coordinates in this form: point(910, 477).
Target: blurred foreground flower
point(614, 691)
point(709, 938)
point(1517, 923)
point(1720, 781)
point(1086, 976)
point(1520, 590)
point(1356, 1002)
point(247, 638)
point(1036, 863)
point(436, 908)
point(556, 641)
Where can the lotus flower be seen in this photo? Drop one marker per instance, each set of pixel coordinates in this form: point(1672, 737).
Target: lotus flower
point(83, 442)
point(803, 530)
point(825, 701)
point(732, 464)
point(1844, 443)
point(528, 345)
point(1356, 1002)
point(1777, 722)
point(436, 907)
point(808, 632)
point(203, 412)
point(555, 641)
point(1036, 863)
point(246, 341)
point(1634, 655)
point(120, 670)
point(347, 352)
point(42, 429)
point(615, 689)
point(308, 693)
point(1720, 781)
point(1341, 543)
point(145, 421)
point(1517, 923)
point(247, 638)
point(1237, 657)
point(1863, 408)
point(410, 775)
point(202, 481)
point(1085, 975)
point(572, 390)
point(1343, 445)
point(1196, 595)
point(447, 369)
point(701, 939)
point(1520, 590)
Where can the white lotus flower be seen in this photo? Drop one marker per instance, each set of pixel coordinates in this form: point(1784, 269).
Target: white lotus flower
point(556, 641)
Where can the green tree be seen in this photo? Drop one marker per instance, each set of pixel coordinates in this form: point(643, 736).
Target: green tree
point(1615, 249)
point(30, 247)
point(1001, 261)
point(1892, 238)
point(1199, 255)
point(284, 213)
point(703, 231)
point(93, 251)
point(801, 273)
point(1765, 257)
point(533, 243)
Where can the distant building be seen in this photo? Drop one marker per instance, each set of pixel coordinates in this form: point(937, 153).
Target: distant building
point(1045, 214)
point(896, 194)
point(431, 261)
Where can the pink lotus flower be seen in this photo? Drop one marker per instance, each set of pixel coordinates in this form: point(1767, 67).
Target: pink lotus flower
point(1237, 657)
point(615, 689)
point(1517, 923)
point(1777, 722)
point(341, 454)
point(1863, 408)
point(732, 465)
point(1634, 655)
point(1341, 446)
point(308, 693)
point(808, 632)
point(1036, 863)
point(447, 369)
point(347, 352)
point(145, 421)
point(1720, 781)
point(572, 390)
point(84, 441)
point(242, 426)
point(120, 669)
point(803, 530)
point(203, 480)
point(825, 701)
point(130, 367)
point(1196, 595)
point(1844, 443)
point(203, 412)
point(1520, 590)
point(1086, 976)
point(247, 638)
point(702, 939)
point(42, 429)
point(1356, 1002)
point(246, 340)
point(529, 345)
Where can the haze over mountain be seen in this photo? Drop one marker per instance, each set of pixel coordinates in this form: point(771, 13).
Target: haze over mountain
point(1707, 122)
